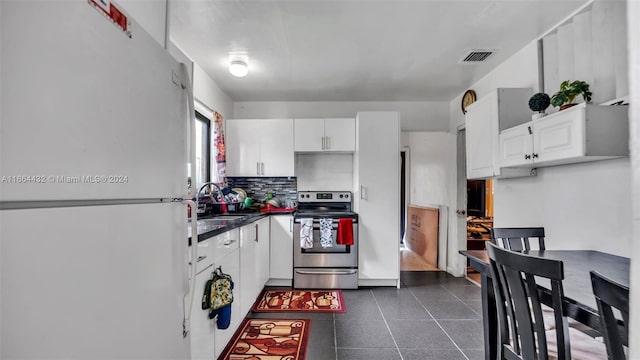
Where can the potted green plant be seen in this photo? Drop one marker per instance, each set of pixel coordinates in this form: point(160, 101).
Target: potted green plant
point(568, 92)
point(539, 102)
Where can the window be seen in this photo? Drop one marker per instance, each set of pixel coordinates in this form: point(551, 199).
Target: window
point(203, 150)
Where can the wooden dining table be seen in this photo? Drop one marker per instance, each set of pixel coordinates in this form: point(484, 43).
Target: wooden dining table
point(579, 300)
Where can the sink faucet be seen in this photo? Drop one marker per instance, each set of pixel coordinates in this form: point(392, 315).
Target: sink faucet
point(212, 192)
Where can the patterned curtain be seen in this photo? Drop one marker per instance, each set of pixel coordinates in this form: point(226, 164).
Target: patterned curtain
point(220, 164)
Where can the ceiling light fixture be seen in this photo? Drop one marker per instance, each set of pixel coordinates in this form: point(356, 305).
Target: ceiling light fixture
point(238, 68)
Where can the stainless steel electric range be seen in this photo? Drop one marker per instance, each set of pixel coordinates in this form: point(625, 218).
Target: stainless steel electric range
point(318, 267)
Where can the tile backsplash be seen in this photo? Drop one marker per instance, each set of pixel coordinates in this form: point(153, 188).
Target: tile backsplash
point(258, 187)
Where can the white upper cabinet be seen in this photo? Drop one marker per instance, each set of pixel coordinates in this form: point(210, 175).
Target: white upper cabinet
point(516, 146)
point(260, 147)
point(313, 135)
point(581, 133)
point(502, 108)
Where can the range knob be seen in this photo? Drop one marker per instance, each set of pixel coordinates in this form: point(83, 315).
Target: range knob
point(341, 196)
point(346, 195)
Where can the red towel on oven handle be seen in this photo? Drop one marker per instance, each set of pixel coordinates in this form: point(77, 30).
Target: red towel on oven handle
point(345, 232)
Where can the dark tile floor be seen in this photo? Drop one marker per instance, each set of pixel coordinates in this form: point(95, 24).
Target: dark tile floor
point(432, 316)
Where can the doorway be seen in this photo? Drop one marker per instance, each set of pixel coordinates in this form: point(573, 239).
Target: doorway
point(474, 207)
point(418, 226)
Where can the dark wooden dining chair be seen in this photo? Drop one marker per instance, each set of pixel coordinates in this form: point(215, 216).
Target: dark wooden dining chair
point(609, 295)
point(521, 325)
point(517, 239)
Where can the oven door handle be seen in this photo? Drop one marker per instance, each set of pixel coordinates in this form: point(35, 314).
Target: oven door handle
point(326, 272)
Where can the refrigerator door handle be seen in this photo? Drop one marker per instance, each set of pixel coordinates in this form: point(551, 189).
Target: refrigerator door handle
point(188, 89)
point(187, 302)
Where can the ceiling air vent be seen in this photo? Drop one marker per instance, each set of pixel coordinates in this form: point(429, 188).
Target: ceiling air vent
point(476, 56)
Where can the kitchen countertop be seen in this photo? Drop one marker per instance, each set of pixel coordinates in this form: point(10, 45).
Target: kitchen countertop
point(211, 226)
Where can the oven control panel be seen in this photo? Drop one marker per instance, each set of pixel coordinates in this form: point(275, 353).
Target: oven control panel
point(324, 196)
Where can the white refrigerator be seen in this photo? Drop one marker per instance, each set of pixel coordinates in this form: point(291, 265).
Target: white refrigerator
point(94, 128)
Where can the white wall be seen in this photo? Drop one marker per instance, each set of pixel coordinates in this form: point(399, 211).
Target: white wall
point(331, 172)
point(432, 171)
point(581, 206)
point(414, 115)
point(149, 14)
point(520, 70)
point(634, 87)
point(209, 93)
point(585, 205)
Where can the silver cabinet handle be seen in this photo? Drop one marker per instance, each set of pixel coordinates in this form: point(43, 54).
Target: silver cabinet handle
point(327, 143)
point(320, 272)
point(256, 233)
point(323, 143)
point(257, 168)
point(228, 242)
point(262, 167)
point(291, 225)
point(200, 258)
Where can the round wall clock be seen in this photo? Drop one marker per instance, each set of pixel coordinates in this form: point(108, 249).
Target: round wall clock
point(468, 98)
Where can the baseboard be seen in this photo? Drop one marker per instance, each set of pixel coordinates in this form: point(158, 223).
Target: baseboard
point(378, 282)
point(454, 272)
point(280, 282)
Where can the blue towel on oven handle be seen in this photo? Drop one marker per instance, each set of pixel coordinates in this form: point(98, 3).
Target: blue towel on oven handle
point(326, 236)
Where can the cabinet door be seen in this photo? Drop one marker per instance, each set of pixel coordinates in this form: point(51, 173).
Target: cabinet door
point(202, 328)
point(276, 147)
point(243, 147)
point(230, 264)
point(262, 255)
point(516, 146)
point(309, 134)
point(281, 252)
point(481, 138)
point(340, 134)
point(378, 204)
point(559, 138)
point(248, 281)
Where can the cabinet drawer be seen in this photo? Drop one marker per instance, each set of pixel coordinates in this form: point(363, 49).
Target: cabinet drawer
point(205, 258)
point(224, 244)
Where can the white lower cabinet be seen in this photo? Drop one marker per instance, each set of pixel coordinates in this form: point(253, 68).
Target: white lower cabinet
point(244, 254)
point(207, 341)
point(202, 329)
point(248, 281)
point(254, 257)
point(281, 252)
point(230, 264)
point(262, 253)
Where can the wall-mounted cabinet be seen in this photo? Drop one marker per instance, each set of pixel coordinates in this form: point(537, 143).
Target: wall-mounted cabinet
point(320, 135)
point(260, 147)
point(501, 109)
point(581, 133)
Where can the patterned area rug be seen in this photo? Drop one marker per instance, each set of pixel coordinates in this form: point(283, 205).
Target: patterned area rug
point(300, 301)
point(268, 339)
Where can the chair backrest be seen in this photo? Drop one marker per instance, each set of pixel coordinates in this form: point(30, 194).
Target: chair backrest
point(610, 294)
point(517, 239)
point(519, 306)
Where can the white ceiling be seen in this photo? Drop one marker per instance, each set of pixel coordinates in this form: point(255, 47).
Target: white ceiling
point(353, 50)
